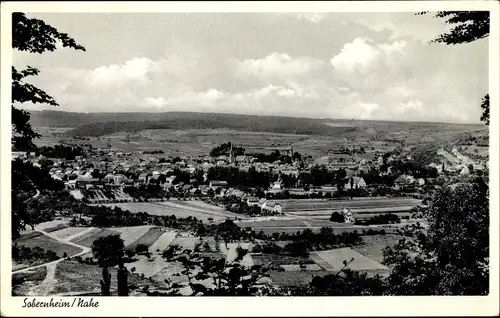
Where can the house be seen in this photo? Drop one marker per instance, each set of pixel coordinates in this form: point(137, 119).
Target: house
point(87, 183)
point(465, 171)
point(348, 216)
point(169, 181)
point(118, 178)
point(276, 185)
point(70, 185)
point(252, 201)
point(19, 154)
point(203, 189)
point(403, 180)
point(109, 178)
point(216, 183)
point(143, 178)
point(273, 207)
point(241, 159)
point(262, 202)
point(355, 183)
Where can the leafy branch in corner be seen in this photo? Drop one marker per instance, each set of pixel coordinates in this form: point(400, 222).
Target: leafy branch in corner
point(210, 276)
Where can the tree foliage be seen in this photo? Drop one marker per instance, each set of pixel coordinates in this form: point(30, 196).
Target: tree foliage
point(485, 105)
point(34, 36)
point(468, 26)
point(108, 250)
point(225, 150)
point(27, 182)
point(451, 256)
point(211, 276)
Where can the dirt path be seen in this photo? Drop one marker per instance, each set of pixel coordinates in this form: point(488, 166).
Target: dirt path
point(46, 286)
point(307, 224)
point(82, 233)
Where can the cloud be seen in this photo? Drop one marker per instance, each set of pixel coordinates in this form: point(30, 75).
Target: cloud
point(363, 55)
point(363, 77)
point(279, 68)
point(314, 17)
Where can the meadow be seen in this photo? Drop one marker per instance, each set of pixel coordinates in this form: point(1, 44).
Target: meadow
point(198, 209)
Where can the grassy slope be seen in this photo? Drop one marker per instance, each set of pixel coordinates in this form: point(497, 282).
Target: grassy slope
point(48, 243)
point(21, 282)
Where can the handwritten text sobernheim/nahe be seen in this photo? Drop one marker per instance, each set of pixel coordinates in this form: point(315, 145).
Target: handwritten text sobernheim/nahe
point(77, 302)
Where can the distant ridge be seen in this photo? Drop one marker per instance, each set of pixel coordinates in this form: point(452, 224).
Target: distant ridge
point(99, 124)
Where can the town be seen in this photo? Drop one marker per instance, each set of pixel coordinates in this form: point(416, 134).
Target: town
point(350, 159)
point(360, 199)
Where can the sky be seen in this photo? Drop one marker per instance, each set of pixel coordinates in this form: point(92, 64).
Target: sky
point(371, 66)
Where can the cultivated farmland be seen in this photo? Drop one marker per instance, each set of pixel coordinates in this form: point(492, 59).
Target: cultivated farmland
point(147, 239)
point(130, 234)
point(197, 209)
point(48, 244)
point(363, 205)
point(332, 260)
point(163, 241)
point(88, 239)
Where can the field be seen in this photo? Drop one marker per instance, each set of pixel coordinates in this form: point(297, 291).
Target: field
point(68, 232)
point(131, 234)
point(363, 205)
point(87, 240)
point(332, 260)
point(291, 226)
point(278, 260)
point(47, 243)
point(295, 278)
point(374, 244)
point(163, 241)
point(147, 238)
point(194, 134)
point(186, 242)
point(197, 209)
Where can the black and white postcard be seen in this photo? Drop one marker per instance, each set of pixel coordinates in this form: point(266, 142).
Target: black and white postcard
point(324, 158)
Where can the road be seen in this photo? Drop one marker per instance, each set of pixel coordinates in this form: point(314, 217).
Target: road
point(46, 286)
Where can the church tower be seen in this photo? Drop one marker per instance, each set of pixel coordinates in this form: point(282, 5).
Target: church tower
point(231, 159)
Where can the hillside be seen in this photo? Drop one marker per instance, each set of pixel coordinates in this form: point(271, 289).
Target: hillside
point(100, 124)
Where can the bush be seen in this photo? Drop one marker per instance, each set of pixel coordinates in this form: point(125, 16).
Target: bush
point(141, 249)
point(337, 217)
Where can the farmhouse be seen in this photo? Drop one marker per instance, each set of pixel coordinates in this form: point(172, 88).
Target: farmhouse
point(216, 184)
point(403, 180)
point(252, 201)
point(273, 207)
point(355, 183)
point(262, 203)
point(87, 183)
point(276, 185)
point(143, 178)
point(348, 216)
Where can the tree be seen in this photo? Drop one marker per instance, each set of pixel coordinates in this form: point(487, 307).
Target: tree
point(34, 36)
point(485, 105)
point(108, 250)
point(337, 217)
point(451, 257)
point(468, 26)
